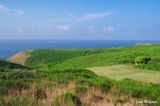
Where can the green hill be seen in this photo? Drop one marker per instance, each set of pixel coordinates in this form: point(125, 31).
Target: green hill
point(73, 87)
point(84, 58)
point(9, 65)
point(124, 55)
point(59, 77)
point(55, 56)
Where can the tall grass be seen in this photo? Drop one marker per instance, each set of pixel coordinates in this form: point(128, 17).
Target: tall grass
point(47, 83)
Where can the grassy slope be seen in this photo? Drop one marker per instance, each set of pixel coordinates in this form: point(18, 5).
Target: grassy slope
point(55, 56)
point(120, 72)
point(9, 65)
point(82, 58)
point(78, 87)
point(123, 55)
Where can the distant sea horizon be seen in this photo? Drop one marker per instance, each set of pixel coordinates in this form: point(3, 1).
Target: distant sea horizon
point(9, 47)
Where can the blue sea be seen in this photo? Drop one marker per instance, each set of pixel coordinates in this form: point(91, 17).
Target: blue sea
point(11, 47)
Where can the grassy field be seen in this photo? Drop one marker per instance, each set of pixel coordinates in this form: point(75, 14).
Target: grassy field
point(74, 87)
point(55, 56)
point(120, 72)
point(58, 77)
point(114, 56)
point(84, 58)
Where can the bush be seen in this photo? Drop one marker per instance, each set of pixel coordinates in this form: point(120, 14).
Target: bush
point(67, 99)
point(40, 94)
point(17, 74)
point(81, 89)
point(8, 65)
point(151, 65)
point(103, 83)
point(142, 60)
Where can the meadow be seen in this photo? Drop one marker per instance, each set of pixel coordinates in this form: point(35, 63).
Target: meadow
point(120, 72)
point(77, 58)
point(82, 77)
point(74, 87)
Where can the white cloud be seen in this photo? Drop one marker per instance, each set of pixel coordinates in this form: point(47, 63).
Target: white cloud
point(3, 9)
point(108, 29)
point(7, 11)
point(93, 16)
point(19, 12)
point(63, 28)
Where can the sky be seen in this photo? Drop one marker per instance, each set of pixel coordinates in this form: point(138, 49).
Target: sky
point(80, 19)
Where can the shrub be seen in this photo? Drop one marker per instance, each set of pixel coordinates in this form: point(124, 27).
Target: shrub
point(40, 94)
point(67, 99)
point(17, 74)
point(86, 53)
point(81, 89)
point(8, 65)
point(103, 83)
point(142, 60)
point(152, 65)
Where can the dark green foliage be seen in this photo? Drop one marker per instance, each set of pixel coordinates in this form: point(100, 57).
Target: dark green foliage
point(16, 74)
point(142, 60)
point(154, 64)
point(8, 65)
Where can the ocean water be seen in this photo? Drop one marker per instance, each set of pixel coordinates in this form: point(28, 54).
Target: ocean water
point(11, 47)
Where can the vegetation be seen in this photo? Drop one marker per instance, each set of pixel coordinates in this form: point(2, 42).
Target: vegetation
point(120, 72)
point(84, 58)
point(58, 77)
point(55, 56)
point(114, 56)
point(142, 60)
point(8, 65)
point(69, 87)
point(154, 64)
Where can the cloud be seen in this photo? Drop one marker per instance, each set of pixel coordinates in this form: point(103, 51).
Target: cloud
point(93, 16)
point(63, 28)
point(19, 12)
point(3, 9)
point(108, 29)
point(7, 11)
